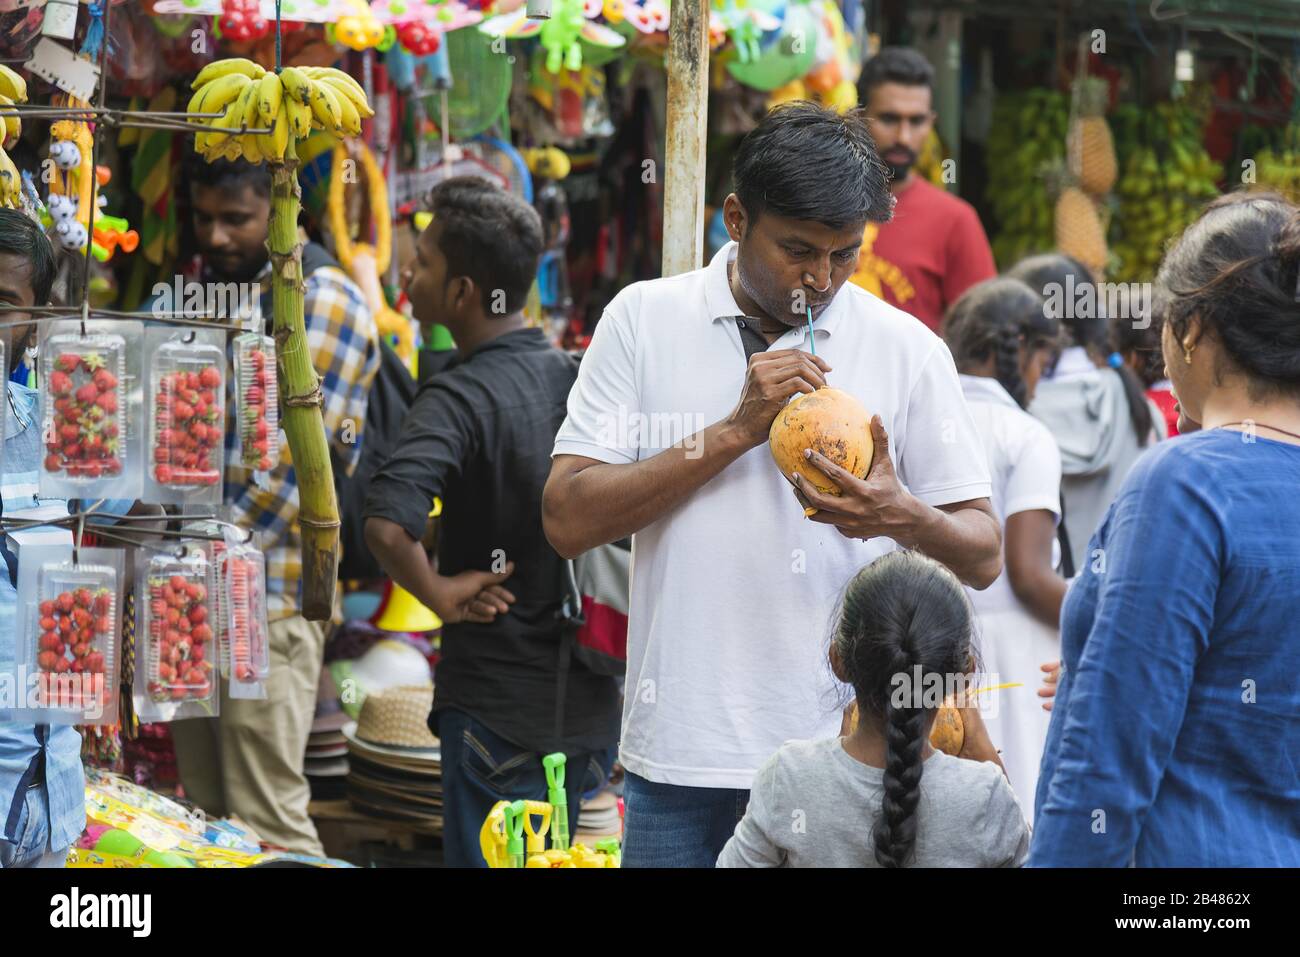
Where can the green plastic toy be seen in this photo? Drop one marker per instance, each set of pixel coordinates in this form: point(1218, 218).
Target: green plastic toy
point(515, 833)
point(554, 766)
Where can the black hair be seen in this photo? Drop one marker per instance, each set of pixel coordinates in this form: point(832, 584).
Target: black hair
point(224, 174)
point(806, 162)
point(999, 317)
point(1237, 270)
point(489, 235)
point(1142, 342)
point(901, 612)
point(21, 236)
point(1052, 274)
point(901, 65)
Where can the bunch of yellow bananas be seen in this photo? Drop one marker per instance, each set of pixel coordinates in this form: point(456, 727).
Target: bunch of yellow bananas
point(291, 103)
point(13, 90)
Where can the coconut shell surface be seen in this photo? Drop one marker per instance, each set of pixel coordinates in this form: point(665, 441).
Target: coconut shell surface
point(831, 422)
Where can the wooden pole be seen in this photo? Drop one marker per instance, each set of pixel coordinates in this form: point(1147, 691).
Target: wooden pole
point(688, 115)
point(318, 511)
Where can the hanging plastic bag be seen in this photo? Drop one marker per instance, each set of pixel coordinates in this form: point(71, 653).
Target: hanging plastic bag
point(68, 635)
point(187, 416)
point(90, 409)
point(247, 654)
point(176, 653)
point(257, 402)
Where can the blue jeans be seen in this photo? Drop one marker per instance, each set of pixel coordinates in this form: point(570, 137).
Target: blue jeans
point(479, 769)
point(32, 848)
point(669, 825)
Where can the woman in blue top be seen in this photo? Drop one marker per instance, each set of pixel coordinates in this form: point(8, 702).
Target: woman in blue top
point(1175, 738)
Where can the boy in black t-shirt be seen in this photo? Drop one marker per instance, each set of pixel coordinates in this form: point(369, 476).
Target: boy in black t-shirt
point(479, 436)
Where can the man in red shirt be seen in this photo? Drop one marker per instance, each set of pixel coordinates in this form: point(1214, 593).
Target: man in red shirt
point(934, 248)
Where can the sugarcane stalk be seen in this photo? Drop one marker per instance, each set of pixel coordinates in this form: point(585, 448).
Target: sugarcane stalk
point(301, 398)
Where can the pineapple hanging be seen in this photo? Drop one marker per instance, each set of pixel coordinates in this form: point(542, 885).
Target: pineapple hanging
point(1090, 147)
point(1079, 228)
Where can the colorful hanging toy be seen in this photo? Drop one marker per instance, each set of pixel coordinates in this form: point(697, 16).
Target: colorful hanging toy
point(420, 25)
point(242, 21)
point(13, 90)
point(360, 29)
point(560, 35)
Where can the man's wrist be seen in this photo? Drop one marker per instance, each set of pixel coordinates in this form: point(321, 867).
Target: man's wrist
point(918, 520)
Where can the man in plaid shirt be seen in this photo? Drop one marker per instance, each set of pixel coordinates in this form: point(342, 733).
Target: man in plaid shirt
point(249, 761)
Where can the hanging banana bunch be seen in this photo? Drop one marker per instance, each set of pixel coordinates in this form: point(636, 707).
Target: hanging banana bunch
point(286, 107)
point(13, 90)
point(293, 102)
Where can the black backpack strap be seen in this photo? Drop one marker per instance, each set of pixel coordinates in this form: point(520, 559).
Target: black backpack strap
point(1067, 556)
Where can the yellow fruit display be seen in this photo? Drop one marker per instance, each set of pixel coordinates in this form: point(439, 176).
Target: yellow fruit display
point(1091, 148)
point(1079, 232)
point(294, 101)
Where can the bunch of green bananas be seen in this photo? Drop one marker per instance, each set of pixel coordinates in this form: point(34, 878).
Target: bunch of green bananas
point(13, 90)
point(291, 103)
point(1166, 177)
point(1027, 138)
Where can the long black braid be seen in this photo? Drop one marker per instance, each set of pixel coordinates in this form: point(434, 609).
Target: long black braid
point(901, 613)
point(894, 833)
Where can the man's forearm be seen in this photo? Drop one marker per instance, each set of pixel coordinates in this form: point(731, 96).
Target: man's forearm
point(603, 503)
point(405, 561)
point(968, 541)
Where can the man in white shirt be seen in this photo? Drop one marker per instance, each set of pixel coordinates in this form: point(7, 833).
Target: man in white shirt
point(733, 591)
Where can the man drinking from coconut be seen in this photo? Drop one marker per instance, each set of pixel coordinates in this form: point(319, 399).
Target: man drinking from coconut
point(733, 590)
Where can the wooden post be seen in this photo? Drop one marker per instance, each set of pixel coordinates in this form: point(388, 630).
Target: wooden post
point(318, 510)
point(688, 114)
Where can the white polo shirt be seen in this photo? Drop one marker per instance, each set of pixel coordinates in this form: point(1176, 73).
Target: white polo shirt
point(733, 592)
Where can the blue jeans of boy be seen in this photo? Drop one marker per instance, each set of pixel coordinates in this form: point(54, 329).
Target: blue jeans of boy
point(479, 769)
point(669, 825)
point(33, 836)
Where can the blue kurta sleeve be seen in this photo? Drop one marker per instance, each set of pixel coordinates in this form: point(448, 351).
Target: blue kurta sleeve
point(1155, 570)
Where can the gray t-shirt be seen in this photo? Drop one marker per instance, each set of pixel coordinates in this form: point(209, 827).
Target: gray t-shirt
point(812, 805)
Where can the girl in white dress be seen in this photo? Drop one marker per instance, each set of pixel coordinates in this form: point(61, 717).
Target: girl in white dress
point(1001, 337)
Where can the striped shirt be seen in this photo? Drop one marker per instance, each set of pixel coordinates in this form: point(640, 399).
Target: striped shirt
point(344, 343)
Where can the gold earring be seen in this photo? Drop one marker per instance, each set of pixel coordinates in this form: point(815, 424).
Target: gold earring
point(1187, 354)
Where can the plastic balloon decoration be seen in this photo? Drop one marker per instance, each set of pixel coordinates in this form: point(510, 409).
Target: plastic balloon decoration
point(242, 21)
point(570, 23)
point(790, 48)
point(420, 24)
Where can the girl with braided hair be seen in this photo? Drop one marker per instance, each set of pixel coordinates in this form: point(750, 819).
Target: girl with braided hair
point(881, 795)
point(1002, 337)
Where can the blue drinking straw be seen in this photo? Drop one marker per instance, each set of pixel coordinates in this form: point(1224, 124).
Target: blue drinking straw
point(812, 340)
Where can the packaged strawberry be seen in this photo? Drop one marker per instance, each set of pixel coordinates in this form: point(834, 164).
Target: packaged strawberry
point(186, 404)
point(247, 643)
point(69, 604)
point(91, 450)
point(176, 650)
point(257, 403)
